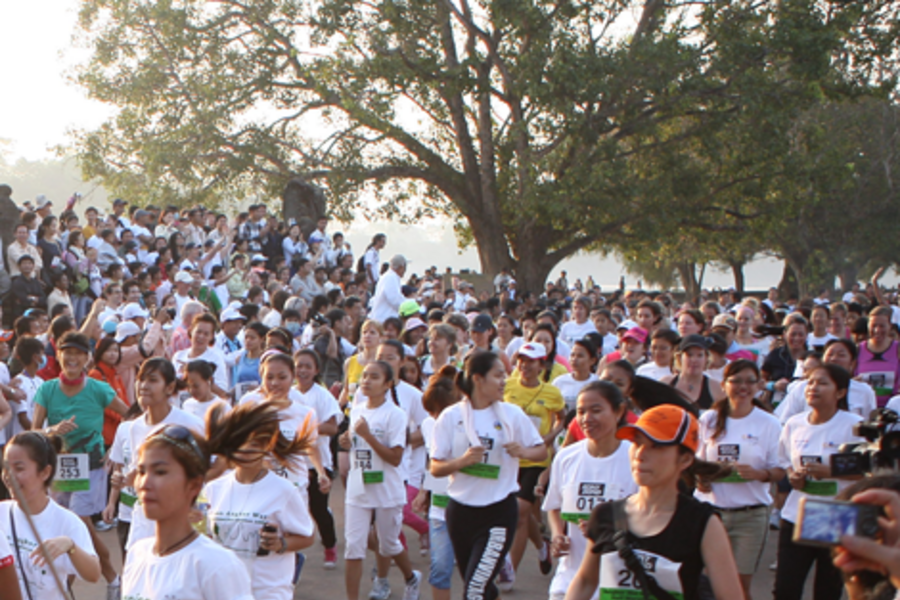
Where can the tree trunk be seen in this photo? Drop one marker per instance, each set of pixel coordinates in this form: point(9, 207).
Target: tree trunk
point(737, 268)
point(493, 251)
point(787, 287)
point(687, 273)
point(849, 275)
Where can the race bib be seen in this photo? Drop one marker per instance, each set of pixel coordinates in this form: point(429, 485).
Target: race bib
point(72, 473)
point(881, 381)
point(485, 469)
point(244, 388)
point(579, 498)
point(128, 497)
point(820, 488)
point(617, 582)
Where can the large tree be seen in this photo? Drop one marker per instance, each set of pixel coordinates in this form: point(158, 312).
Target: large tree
point(524, 120)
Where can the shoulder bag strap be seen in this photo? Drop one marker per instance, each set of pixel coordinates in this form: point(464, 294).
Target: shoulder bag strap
point(649, 587)
point(12, 526)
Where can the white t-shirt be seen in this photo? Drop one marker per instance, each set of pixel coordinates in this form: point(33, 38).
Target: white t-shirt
point(652, 370)
point(293, 419)
point(752, 440)
point(372, 481)
point(199, 409)
point(29, 385)
point(372, 262)
point(53, 521)
point(436, 485)
point(610, 343)
point(860, 400)
point(572, 331)
point(6, 554)
point(803, 443)
point(235, 516)
point(814, 342)
point(496, 477)
point(323, 403)
point(212, 355)
point(410, 400)
point(570, 387)
point(202, 570)
point(121, 453)
point(578, 483)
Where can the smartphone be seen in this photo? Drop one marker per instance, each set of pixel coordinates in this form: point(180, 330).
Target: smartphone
point(268, 529)
point(822, 522)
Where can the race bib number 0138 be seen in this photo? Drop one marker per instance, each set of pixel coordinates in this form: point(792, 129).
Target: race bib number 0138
point(72, 473)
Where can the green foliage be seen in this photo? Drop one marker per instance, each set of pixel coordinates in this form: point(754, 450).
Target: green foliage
point(542, 128)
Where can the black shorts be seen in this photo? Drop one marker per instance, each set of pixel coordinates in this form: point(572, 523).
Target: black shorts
point(528, 479)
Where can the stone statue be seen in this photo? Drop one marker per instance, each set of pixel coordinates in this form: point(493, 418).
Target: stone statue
point(305, 203)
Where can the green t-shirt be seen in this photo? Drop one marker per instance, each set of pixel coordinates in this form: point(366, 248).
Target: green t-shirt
point(87, 407)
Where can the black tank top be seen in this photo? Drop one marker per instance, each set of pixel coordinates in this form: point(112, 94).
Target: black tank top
point(705, 400)
point(679, 543)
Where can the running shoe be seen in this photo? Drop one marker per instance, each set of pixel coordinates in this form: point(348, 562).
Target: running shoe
point(424, 545)
point(102, 525)
point(381, 589)
point(113, 589)
point(774, 566)
point(330, 558)
point(411, 592)
point(507, 576)
point(774, 519)
point(544, 558)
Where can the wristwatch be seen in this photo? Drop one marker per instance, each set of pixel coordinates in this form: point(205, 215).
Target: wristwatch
point(283, 548)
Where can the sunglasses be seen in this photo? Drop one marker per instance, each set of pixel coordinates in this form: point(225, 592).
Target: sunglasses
point(181, 436)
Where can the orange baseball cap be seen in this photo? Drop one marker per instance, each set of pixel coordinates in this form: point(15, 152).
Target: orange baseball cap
point(667, 425)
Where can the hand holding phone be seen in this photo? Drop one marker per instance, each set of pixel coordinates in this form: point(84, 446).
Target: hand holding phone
point(824, 522)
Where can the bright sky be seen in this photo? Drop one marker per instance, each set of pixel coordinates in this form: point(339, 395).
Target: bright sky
point(39, 105)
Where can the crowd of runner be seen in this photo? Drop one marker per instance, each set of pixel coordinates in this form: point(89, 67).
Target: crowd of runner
point(200, 382)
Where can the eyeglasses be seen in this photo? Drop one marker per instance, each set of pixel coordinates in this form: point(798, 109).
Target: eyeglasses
point(181, 436)
point(742, 381)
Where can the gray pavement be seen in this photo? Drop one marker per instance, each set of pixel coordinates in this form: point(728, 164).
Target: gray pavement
point(319, 584)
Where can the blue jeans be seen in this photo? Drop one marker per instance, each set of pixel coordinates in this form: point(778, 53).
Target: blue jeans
point(441, 571)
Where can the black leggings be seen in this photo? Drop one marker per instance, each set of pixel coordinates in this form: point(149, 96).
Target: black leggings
point(481, 537)
point(795, 561)
point(318, 508)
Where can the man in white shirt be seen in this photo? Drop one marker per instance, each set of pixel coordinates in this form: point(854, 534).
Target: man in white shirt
point(388, 293)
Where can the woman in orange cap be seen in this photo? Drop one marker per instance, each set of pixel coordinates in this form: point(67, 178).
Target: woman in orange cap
point(657, 539)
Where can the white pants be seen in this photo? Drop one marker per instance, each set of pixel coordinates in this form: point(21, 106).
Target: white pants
point(358, 521)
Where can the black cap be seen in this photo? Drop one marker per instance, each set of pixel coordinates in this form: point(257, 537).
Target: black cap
point(693, 341)
point(482, 323)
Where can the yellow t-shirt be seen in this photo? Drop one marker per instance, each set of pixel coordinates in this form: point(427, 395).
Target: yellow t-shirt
point(540, 405)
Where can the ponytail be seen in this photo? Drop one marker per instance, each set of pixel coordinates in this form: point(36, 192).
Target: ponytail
point(227, 432)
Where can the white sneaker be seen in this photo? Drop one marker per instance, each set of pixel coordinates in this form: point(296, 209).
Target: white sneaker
point(774, 519)
point(412, 587)
point(114, 589)
point(381, 589)
point(773, 566)
point(507, 576)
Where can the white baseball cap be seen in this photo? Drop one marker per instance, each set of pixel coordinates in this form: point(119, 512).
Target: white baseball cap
point(533, 350)
point(125, 330)
point(231, 314)
point(133, 310)
point(184, 277)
